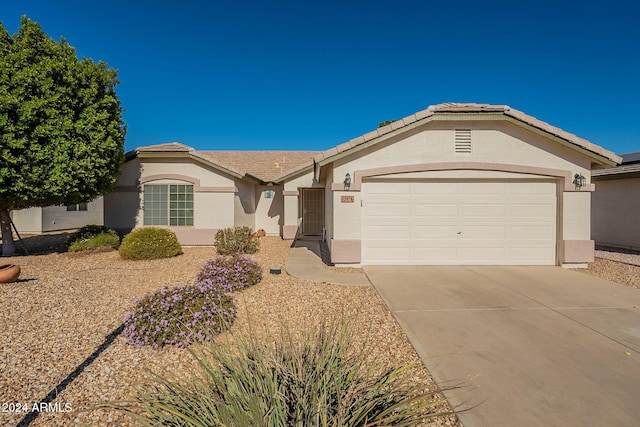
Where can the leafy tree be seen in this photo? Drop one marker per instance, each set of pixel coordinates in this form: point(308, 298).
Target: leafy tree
point(61, 128)
point(386, 122)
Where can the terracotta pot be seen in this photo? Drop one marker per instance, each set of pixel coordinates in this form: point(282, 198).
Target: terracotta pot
point(261, 233)
point(9, 273)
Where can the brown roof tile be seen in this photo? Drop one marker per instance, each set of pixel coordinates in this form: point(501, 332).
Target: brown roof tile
point(264, 165)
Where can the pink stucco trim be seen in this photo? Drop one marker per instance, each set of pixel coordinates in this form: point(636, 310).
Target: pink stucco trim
point(578, 251)
point(358, 176)
point(195, 181)
point(189, 236)
point(345, 251)
point(289, 232)
point(290, 193)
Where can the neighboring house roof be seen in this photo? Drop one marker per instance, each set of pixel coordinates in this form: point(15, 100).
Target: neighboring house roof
point(630, 165)
point(453, 111)
point(276, 166)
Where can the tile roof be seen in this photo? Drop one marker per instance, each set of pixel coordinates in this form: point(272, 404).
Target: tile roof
point(630, 164)
point(450, 107)
point(272, 166)
point(267, 166)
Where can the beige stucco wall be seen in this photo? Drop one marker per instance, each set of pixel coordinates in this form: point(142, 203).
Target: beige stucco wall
point(58, 218)
point(215, 196)
point(55, 218)
point(244, 204)
point(28, 220)
point(616, 213)
point(269, 215)
point(492, 142)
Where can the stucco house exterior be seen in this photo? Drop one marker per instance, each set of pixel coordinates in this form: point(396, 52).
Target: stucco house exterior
point(615, 208)
point(452, 184)
point(39, 220)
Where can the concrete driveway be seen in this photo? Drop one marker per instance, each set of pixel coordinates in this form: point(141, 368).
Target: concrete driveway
point(535, 346)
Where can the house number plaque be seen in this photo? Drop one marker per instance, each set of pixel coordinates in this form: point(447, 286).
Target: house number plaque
point(346, 199)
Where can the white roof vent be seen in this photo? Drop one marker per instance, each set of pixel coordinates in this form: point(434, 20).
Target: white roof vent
point(463, 141)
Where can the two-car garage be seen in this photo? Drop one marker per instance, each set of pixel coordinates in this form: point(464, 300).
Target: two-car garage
point(450, 222)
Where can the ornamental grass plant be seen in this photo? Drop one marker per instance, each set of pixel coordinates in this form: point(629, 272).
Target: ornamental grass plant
point(316, 379)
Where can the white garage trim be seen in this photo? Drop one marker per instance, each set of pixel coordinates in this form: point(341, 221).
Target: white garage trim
point(458, 222)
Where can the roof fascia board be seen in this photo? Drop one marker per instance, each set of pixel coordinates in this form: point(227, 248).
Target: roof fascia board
point(599, 158)
point(187, 155)
point(471, 116)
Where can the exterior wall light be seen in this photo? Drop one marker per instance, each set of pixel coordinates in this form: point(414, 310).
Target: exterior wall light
point(347, 181)
point(579, 181)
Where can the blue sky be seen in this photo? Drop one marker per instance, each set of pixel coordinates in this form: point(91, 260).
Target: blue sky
point(311, 75)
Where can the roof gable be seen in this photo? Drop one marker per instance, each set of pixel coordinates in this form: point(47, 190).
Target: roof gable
point(455, 111)
point(263, 166)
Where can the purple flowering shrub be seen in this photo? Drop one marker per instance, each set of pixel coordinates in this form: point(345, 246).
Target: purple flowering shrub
point(231, 274)
point(236, 240)
point(180, 316)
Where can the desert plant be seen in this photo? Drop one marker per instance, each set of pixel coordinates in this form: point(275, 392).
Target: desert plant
point(150, 243)
point(233, 273)
point(318, 379)
point(88, 232)
point(236, 240)
point(103, 240)
point(179, 316)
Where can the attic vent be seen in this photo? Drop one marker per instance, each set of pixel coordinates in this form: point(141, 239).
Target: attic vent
point(463, 141)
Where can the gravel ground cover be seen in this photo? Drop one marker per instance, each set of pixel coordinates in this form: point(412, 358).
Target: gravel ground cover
point(617, 265)
point(55, 321)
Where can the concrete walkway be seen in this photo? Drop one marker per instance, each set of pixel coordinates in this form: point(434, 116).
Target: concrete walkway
point(305, 262)
point(534, 346)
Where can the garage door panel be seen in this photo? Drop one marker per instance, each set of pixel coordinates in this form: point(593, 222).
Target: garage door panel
point(482, 188)
point(389, 209)
point(435, 188)
point(482, 253)
point(436, 255)
point(435, 232)
point(390, 232)
point(483, 210)
point(531, 232)
point(435, 209)
point(466, 222)
point(483, 232)
point(542, 210)
point(524, 188)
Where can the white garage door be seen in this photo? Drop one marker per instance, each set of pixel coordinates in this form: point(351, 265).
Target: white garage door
point(466, 222)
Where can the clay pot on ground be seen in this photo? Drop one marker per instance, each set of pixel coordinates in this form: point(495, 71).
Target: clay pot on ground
point(9, 273)
point(261, 233)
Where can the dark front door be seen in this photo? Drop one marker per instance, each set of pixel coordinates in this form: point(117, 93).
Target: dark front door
point(312, 210)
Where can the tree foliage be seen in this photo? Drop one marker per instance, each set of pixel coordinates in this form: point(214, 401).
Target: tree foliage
point(61, 131)
point(385, 123)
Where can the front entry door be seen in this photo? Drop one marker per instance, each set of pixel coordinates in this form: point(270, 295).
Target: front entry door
point(312, 210)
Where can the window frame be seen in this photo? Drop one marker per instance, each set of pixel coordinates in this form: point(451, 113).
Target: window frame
point(168, 204)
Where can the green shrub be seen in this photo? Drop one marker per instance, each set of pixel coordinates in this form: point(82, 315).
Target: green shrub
point(236, 240)
point(179, 316)
point(230, 273)
point(91, 237)
point(150, 243)
point(318, 379)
